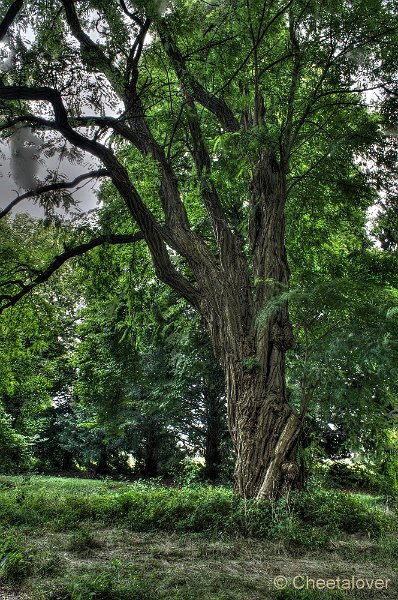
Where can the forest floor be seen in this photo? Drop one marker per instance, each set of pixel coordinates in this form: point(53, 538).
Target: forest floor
point(109, 562)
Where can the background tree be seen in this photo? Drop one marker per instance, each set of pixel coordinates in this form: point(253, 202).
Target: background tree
point(35, 338)
point(145, 365)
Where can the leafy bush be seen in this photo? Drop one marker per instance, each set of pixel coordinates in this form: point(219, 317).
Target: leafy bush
point(197, 508)
point(379, 477)
point(342, 511)
point(14, 448)
point(189, 472)
point(353, 475)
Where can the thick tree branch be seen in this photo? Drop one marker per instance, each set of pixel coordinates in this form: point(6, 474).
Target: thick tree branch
point(178, 232)
point(60, 185)
point(10, 17)
point(133, 16)
point(229, 246)
point(94, 53)
point(209, 101)
point(138, 132)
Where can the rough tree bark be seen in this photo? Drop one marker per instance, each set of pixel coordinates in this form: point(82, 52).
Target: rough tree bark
point(264, 427)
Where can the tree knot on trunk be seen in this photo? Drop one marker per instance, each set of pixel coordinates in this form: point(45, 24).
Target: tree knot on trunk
point(290, 470)
point(282, 336)
point(291, 477)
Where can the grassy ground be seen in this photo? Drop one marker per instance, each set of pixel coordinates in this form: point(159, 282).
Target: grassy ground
point(53, 549)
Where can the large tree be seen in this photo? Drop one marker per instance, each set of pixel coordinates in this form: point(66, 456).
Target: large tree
point(205, 117)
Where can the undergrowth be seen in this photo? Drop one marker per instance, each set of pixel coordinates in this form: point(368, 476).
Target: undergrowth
point(308, 518)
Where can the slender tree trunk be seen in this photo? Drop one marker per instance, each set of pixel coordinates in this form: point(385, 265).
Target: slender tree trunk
point(66, 462)
point(151, 460)
point(102, 467)
point(213, 435)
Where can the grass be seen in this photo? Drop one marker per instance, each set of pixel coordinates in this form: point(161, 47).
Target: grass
point(106, 540)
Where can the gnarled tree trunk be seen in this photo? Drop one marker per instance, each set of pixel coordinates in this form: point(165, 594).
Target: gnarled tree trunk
point(264, 427)
point(265, 432)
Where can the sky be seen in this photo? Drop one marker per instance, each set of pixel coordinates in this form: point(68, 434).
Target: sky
point(31, 170)
point(10, 189)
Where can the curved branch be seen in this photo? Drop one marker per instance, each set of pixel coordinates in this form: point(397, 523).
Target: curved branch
point(10, 17)
point(58, 261)
point(53, 187)
point(178, 232)
point(209, 101)
point(29, 119)
point(103, 61)
point(134, 16)
point(135, 54)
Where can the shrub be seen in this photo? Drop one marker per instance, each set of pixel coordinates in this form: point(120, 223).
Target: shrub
point(352, 475)
point(341, 511)
point(198, 508)
point(14, 448)
point(188, 472)
point(381, 477)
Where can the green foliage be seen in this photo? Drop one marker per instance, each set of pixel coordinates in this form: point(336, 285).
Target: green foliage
point(15, 564)
point(13, 446)
point(188, 472)
point(185, 509)
point(137, 384)
point(105, 586)
point(343, 367)
point(342, 511)
point(147, 378)
point(353, 474)
point(35, 346)
point(307, 519)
